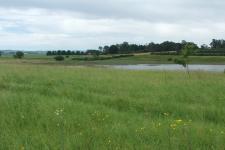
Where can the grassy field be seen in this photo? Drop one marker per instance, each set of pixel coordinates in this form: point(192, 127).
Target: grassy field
point(63, 107)
point(137, 59)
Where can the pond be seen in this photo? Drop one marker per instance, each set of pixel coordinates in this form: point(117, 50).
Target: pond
point(170, 67)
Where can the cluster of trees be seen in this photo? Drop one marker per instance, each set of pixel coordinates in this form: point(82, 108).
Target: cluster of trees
point(126, 48)
point(123, 48)
point(64, 52)
point(167, 46)
point(68, 52)
point(162, 48)
point(217, 44)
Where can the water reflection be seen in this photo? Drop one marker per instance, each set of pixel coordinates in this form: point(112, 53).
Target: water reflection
point(171, 67)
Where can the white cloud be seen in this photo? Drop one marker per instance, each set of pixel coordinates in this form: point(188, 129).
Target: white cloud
point(87, 24)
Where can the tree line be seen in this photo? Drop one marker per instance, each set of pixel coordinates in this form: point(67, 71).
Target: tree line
point(217, 44)
point(166, 46)
point(125, 48)
point(64, 52)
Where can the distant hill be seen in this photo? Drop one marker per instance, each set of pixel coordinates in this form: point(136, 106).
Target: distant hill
point(11, 52)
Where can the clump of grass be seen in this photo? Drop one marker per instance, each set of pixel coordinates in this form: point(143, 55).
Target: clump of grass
point(45, 107)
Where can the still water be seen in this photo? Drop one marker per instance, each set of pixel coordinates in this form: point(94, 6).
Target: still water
point(170, 67)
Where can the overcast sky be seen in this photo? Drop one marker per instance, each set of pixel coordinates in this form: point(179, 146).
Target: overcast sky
point(87, 24)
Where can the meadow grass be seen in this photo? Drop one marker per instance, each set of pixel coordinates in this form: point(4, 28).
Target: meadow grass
point(60, 107)
point(162, 59)
point(136, 59)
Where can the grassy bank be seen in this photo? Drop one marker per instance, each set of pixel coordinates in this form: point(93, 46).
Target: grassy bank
point(89, 60)
point(46, 107)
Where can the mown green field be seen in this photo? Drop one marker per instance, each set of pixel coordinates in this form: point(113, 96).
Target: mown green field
point(61, 107)
point(136, 59)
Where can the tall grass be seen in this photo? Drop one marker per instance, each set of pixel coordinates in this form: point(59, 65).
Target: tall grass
point(56, 107)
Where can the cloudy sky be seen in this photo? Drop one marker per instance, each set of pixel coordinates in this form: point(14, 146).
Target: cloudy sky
point(86, 24)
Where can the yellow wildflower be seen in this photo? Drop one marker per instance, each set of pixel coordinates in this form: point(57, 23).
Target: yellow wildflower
point(22, 148)
point(166, 114)
point(173, 126)
point(178, 121)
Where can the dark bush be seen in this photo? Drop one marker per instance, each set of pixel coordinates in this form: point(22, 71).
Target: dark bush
point(165, 53)
point(59, 58)
point(170, 59)
point(121, 56)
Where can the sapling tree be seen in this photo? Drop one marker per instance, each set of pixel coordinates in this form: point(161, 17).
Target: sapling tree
point(187, 50)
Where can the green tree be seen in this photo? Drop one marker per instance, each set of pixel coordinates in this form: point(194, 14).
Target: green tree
point(100, 48)
point(49, 53)
point(205, 47)
point(217, 44)
point(113, 49)
point(187, 51)
point(124, 47)
point(106, 49)
point(68, 52)
point(19, 54)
